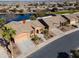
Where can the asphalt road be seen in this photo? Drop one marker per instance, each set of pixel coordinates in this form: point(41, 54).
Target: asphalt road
point(63, 44)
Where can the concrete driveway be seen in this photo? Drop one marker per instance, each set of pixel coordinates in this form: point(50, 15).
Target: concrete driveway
point(57, 31)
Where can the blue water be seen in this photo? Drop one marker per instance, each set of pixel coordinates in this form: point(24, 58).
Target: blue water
point(19, 17)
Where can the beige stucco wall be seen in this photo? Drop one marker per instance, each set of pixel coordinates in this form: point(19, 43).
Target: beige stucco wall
point(39, 29)
point(72, 22)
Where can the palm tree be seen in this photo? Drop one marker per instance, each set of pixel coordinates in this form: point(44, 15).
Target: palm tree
point(6, 41)
point(33, 17)
point(3, 40)
point(2, 22)
point(8, 34)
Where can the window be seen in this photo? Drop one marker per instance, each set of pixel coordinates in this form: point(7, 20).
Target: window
point(37, 31)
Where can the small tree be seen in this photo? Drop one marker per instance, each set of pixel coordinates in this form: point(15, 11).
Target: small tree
point(21, 11)
point(59, 5)
point(54, 5)
point(14, 10)
point(42, 4)
point(70, 4)
point(8, 34)
point(76, 4)
point(36, 39)
point(54, 9)
point(66, 3)
point(2, 21)
point(75, 53)
point(33, 17)
point(36, 4)
point(17, 6)
point(41, 13)
point(46, 33)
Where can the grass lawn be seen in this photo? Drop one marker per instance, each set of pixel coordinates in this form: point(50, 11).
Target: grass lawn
point(64, 12)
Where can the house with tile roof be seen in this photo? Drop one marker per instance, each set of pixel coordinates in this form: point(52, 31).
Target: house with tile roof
point(53, 21)
point(37, 26)
point(29, 27)
point(73, 19)
point(20, 28)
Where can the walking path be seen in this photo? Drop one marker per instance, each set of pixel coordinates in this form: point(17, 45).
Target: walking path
point(46, 43)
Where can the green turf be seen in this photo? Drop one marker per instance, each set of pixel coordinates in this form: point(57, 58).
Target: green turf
point(64, 12)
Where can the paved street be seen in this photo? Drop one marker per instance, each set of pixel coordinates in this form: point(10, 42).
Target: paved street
point(62, 44)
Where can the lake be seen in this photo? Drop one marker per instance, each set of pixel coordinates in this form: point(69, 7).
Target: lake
point(17, 17)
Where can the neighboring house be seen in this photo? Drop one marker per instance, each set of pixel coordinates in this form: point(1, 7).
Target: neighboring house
point(41, 7)
point(69, 7)
point(54, 9)
point(58, 21)
point(60, 8)
point(33, 9)
point(73, 19)
point(44, 23)
point(37, 26)
point(77, 14)
point(53, 21)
